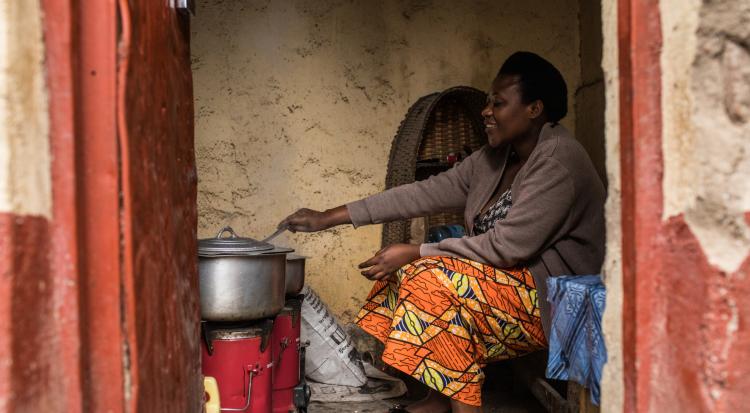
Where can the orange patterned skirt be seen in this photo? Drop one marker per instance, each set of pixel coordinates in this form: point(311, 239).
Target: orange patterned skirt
point(444, 318)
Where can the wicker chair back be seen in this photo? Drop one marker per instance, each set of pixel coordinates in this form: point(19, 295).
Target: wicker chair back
point(435, 126)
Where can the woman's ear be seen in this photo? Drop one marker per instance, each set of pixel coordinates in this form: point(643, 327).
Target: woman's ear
point(535, 109)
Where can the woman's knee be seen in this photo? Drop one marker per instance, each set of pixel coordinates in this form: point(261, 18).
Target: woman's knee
point(423, 279)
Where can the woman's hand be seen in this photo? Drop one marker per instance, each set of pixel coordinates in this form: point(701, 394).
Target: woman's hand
point(388, 260)
point(305, 220)
point(308, 220)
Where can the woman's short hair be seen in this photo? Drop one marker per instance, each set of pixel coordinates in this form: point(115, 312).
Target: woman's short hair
point(539, 80)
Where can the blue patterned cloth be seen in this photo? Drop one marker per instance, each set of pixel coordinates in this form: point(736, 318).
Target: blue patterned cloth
point(576, 343)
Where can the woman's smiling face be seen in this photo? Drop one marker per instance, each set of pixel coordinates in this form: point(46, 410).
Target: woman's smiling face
point(506, 117)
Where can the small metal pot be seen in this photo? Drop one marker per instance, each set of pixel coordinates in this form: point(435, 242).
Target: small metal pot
point(240, 278)
point(295, 274)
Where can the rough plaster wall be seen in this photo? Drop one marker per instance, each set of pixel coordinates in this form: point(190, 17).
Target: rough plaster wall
point(24, 142)
point(706, 101)
point(297, 103)
point(706, 142)
point(612, 376)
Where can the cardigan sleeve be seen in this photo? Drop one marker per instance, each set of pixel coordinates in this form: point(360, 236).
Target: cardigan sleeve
point(545, 199)
point(445, 191)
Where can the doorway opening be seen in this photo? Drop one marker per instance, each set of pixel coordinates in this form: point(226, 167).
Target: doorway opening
point(297, 104)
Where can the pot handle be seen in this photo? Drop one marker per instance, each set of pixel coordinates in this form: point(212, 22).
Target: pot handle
point(226, 229)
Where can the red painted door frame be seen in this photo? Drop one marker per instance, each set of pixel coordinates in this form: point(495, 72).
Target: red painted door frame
point(639, 47)
point(80, 42)
point(99, 208)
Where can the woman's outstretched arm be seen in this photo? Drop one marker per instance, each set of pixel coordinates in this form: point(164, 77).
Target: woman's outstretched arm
point(445, 191)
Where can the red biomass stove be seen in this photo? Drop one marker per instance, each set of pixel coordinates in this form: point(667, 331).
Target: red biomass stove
point(290, 392)
point(258, 365)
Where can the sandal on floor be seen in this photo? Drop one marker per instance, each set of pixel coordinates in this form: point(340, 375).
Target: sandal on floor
point(397, 408)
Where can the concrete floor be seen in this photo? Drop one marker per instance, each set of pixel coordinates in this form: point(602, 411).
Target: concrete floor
point(499, 395)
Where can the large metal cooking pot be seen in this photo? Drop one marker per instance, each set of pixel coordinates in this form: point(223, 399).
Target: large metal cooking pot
point(240, 278)
point(295, 274)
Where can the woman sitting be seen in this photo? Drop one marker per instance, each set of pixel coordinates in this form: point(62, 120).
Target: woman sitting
point(533, 207)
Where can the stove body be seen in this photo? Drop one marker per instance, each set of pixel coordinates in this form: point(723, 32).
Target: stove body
point(290, 392)
point(240, 358)
point(263, 359)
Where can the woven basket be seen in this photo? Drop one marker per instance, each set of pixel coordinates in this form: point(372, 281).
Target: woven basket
point(435, 126)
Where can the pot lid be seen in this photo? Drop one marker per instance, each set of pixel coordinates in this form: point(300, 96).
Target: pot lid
point(232, 244)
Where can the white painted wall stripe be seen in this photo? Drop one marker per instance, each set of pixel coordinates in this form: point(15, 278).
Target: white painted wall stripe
point(612, 376)
point(25, 181)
